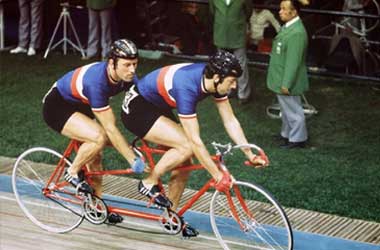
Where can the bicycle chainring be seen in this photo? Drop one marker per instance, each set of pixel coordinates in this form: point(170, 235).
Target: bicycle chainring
point(94, 209)
point(171, 222)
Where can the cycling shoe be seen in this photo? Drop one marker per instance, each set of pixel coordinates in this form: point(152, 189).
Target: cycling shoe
point(114, 218)
point(155, 195)
point(188, 231)
point(78, 183)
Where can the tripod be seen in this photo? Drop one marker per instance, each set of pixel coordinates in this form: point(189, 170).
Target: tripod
point(65, 17)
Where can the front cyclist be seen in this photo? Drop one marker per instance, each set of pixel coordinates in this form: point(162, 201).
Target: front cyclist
point(77, 98)
point(147, 113)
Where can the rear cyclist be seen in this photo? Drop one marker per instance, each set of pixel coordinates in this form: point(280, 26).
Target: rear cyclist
point(76, 99)
point(146, 112)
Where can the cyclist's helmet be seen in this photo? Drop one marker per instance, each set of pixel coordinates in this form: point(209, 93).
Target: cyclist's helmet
point(225, 64)
point(123, 48)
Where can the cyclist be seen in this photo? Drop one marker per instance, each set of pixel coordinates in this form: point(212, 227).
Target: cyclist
point(76, 99)
point(146, 112)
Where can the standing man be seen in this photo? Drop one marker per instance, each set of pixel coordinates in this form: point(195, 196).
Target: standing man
point(29, 27)
point(287, 74)
point(77, 106)
point(99, 27)
point(230, 19)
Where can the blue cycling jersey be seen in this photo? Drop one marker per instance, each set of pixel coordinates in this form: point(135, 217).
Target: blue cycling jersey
point(176, 86)
point(90, 85)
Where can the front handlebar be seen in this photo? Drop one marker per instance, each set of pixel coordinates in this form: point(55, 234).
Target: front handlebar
point(224, 149)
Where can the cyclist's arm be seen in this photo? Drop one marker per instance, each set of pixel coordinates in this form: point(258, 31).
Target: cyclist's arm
point(108, 122)
point(232, 126)
point(191, 127)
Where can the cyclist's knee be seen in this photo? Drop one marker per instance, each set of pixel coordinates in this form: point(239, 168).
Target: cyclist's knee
point(101, 139)
point(185, 151)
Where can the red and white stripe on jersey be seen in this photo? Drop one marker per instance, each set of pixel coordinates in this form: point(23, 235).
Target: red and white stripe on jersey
point(77, 83)
point(220, 99)
point(101, 109)
point(165, 82)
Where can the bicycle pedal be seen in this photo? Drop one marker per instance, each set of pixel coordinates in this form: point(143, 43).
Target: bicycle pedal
point(84, 189)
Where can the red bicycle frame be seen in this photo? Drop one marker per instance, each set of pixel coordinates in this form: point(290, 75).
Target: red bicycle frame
point(148, 152)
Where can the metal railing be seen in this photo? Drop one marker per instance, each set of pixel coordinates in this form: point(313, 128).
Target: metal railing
point(312, 70)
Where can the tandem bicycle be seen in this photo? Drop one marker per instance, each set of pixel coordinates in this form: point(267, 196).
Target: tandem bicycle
point(245, 217)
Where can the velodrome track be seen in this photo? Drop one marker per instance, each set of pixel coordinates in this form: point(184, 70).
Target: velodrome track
point(17, 232)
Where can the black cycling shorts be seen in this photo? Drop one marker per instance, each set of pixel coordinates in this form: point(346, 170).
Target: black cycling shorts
point(139, 115)
point(56, 110)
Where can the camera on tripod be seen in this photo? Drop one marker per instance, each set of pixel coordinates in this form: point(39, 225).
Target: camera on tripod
point(66, 21)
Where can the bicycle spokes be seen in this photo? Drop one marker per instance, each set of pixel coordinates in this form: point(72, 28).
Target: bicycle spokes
point(248, 218)
point(51, 208)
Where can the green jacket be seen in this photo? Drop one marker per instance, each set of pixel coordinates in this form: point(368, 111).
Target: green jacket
point(230, 22)
point(100, 4)
point(287, 65)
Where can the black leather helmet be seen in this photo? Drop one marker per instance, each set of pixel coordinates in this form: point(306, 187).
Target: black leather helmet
point(123, 48)
point(225, 64)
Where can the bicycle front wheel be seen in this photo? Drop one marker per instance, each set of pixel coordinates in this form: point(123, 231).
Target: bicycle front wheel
point(250, 219)
point(42, 194)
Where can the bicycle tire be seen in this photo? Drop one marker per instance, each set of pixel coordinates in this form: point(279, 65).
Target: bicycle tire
point(54, 212)
point(263, 224)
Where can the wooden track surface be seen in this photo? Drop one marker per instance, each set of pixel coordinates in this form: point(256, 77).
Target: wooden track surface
point(301, 220)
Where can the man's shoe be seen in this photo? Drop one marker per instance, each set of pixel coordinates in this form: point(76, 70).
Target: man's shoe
point(155, 195)
point(280, 138)
point(31, 51)
point(290, 145)
point(18, 50)
point(188, 231)
point(78, 183)
point(114, 218)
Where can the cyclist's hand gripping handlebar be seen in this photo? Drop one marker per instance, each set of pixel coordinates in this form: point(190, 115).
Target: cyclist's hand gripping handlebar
point(224, 184)
point(258, 161)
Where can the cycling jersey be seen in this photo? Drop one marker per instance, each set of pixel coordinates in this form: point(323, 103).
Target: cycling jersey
point(176, 86)
point(90, 85)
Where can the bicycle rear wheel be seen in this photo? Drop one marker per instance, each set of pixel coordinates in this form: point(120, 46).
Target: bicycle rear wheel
point(42, 194)
point(259, 222)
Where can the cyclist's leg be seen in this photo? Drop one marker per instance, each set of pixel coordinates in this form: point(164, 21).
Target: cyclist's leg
point(180, 151)
point(84, 129)
point(90, 133)
point(177, 183)
point(158, 126)
point(95, 164)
